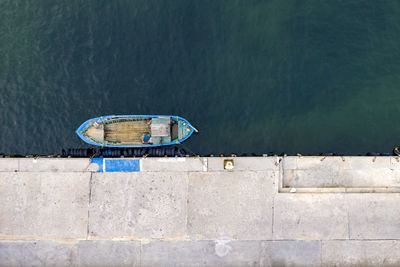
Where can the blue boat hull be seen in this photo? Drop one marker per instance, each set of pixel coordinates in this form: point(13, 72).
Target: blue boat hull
point(135, 130)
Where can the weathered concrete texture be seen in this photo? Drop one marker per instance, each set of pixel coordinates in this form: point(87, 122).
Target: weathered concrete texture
point(341, 178)
point(37, 253)
point(9, 165)
point(395, 163)
point(361, 253)
point(82, 253)
point(44, 205)
point(173, 164)
point(353, 174)
point(221, 252)
point(192, 212)
point(55, 165)
point(245, 163)
point(310, 216)
point(336, 216)
point(336, 163)
point(108, 253)
point(291, 253)
point(138, 206)
point(374, 216)
point(234, 204)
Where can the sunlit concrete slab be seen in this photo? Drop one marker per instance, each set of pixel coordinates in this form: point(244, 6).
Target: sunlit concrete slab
point(319, 163)
point(9, 165)
point(374, 216)
point(366, 178)
point(173, 164)
point(360, 253)
point(340, 174)
point(245, 163)
point(55, 165)
point(336, 163)
point(340, 178)
point(368, 162)
point(137, 205)
point(233, 204)
point(44, 205)
point(310, 178)
point(310, 216)
point(395, 163)
point(201, 253)
point(289, 163)
point(290, 253)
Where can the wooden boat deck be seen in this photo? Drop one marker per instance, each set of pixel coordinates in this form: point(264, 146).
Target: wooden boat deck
point(95, 133)
point(126, 132)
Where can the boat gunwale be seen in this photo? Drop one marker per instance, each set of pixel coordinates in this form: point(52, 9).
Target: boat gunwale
point(83, 125)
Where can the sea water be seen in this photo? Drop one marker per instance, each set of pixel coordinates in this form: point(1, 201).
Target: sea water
point(252, 76)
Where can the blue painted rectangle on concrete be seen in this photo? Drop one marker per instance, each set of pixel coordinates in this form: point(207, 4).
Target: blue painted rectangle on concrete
point(122, 165)
point(117, 165)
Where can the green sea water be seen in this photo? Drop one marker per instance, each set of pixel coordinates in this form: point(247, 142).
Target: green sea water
point(253, 76)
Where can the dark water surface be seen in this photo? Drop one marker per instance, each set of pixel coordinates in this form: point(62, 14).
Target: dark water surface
point(252, 76)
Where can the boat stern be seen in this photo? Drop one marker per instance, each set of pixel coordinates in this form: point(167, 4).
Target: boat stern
point(91, 132)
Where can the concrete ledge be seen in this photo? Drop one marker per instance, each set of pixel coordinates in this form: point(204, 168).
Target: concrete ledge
point(221, 252)
point(290, 253)
point(82, 253)
point(37, 253)
point(316, 190)
point(336, 163)
point(341, 178)
point(195, 164)
point(9, 165)
point(108, 253)
point(245, 163)
point(361, 253)
point(339, 175)
point(55, 165)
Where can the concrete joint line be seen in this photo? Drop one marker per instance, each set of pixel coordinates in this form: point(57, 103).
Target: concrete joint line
point(273, 217)
point(339, 190)
point(186, 203)
point(89, 203)
point(348, 218)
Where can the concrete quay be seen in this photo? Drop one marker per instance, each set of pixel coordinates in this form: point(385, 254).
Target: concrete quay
point(266, 211)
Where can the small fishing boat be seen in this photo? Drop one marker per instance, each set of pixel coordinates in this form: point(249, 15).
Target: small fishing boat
point(135, 131)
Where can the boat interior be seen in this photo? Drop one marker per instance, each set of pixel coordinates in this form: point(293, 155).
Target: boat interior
point(121, 131)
